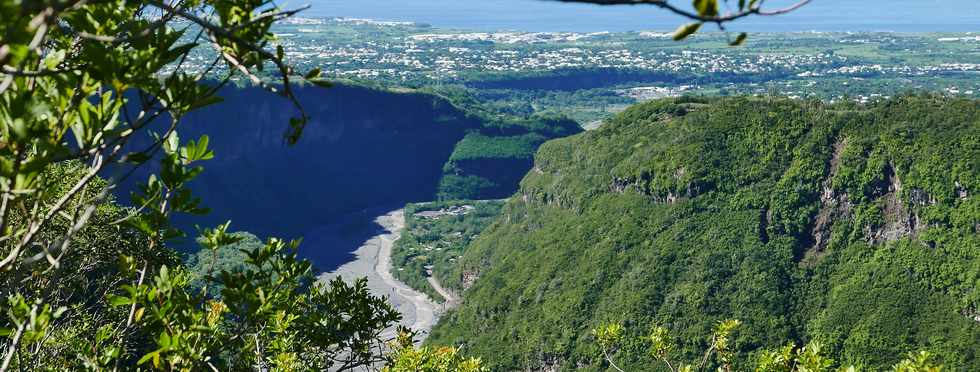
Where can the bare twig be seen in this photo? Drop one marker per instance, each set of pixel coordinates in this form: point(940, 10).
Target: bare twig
point(271, 16)
point(35, 227)
point(10, 71)
point(61, 246)
point(284, 69)
point(707, 354)
point(12, 348)
point(4, 205)
point(40, 23)
point(719, 19)
point(610, 360)
point(131, 37)
point(132, 308)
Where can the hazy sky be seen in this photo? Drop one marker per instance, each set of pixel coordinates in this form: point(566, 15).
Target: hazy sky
point(539, 15)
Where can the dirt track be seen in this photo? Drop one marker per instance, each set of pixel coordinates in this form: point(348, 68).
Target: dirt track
point(451, 299)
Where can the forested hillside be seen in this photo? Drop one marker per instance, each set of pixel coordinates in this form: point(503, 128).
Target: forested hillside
point(363, 148)
point(854, 226)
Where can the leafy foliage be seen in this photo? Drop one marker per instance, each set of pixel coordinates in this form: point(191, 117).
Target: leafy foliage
point(408, 358)
point(854, 226)
point(91, 285)
point(230, 256)
point(475, 146)
point(452, 187)
point(268, 315)
point(707, 11)
point(789, 358)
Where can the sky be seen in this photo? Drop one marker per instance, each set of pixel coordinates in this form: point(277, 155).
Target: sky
point(543, 15)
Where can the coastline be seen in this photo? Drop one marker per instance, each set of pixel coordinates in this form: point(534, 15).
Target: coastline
point(373, 261)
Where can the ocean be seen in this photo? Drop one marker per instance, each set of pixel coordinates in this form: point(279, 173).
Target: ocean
point(540, 15)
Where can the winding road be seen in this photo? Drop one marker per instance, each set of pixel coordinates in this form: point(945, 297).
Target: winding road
point(451, 299)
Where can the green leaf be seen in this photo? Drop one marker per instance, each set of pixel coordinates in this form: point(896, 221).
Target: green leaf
point(136, 157)
point(172, 143)
point(119, 300)
point(706, 8)
point(52, 60)
point(164, 340)
point(313, 74)
point(202, 149)
point(204, 101)
point(142, 224)
point(147, 357)
point(323, 83)
point(296, 126)
point(686, 30)
point(739, 40)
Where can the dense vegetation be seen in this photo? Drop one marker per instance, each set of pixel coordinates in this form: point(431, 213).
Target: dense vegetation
point(852, 226)
point(92, 285)
point(431, 244)
point(490, 161)
point(231, 257)
point(488, 167)
point(579, 79)
point(89, 92)
point(477, 146)
point(661, 345)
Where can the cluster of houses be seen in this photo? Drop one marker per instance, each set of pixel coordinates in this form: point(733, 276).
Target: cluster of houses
point(456, 210)
point(408, 52)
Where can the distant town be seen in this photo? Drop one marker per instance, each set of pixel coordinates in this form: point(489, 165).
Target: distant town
point(831, 66)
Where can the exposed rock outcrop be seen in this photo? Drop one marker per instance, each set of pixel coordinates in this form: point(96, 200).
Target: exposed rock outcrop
point(900, 219)
point(470, 277)
point(833, 205)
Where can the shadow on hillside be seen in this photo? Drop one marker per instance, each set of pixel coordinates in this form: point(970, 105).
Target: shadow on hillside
point(333, 245)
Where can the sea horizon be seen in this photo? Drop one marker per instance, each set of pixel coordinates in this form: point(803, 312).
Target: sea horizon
point(551, 16)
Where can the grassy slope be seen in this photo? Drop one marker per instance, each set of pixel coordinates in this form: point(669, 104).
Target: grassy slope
point(683, 214)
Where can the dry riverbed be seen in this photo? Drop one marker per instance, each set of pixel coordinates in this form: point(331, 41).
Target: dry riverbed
point(373, 261)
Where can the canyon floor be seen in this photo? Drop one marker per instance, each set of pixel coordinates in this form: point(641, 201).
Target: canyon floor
point(373, 261)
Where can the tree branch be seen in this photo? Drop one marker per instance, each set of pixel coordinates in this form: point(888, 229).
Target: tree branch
point(719, 19)
point(7, 70)
point(605, 353)
point(12, 348)
point(271, 16)
point(213, 29)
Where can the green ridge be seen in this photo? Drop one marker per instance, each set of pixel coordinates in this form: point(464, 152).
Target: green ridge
point(855, 226)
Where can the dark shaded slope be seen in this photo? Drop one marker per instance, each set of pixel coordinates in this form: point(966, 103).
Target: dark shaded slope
point(590, 78)
point(363, 149)
point(856, 227)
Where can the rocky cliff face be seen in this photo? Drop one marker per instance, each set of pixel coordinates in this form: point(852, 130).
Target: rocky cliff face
point(362, 148)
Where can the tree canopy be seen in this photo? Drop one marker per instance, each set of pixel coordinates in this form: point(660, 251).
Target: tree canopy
point(88, 92)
